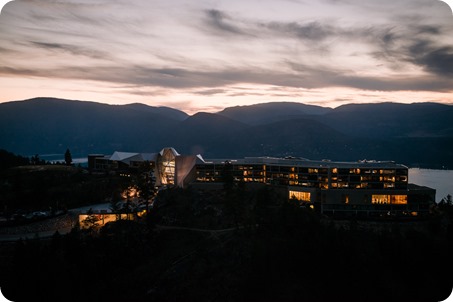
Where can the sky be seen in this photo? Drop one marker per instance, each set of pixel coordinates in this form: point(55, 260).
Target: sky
point(205, 55)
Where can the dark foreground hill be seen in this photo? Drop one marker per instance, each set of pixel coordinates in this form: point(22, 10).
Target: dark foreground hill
point(200, 247)
point(414, 134)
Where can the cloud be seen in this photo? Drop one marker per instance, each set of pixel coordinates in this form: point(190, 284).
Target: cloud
point(314, 30)
point(437, 60)
point(220, 22)
point(211, 91)
point(72, 49)
point(321, 77)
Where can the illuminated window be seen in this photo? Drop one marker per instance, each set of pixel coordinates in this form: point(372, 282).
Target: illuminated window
point(354, 171)
point(166, 165)
point(380, 199)
point(398, 199)
point(393, 199)
point(345, 198)
point(387, 171)
point(302, 196)
point(389, 178)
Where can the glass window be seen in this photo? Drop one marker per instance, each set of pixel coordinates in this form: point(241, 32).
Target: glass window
point(380, 199)
point(398, 199)
point(302, 196)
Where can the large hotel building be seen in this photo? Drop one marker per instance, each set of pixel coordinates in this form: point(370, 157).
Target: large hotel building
point(362, 188)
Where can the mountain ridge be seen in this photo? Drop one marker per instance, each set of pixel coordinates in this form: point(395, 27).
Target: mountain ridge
point(409, 133)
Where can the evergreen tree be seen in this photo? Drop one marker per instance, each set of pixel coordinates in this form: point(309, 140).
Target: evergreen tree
point(68, 157)
point(35, 160)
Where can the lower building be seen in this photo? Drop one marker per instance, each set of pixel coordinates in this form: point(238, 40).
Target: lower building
point(362, 188)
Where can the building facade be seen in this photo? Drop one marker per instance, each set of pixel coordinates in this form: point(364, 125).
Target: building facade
point(362, 188)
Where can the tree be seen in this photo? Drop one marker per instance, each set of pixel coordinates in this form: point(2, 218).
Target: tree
point(68, 157)
point(146, 184)
point(35, 160)
point(91, 222)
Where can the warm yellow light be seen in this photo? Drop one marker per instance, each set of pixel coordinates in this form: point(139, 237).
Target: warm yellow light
point(380, 199)
point(303, 196)
point(130, 192)
point(386, 199)
point(346, 199)
point(398, 199)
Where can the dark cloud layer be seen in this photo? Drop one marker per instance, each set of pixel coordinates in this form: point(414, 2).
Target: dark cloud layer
point(72, 49)
point(220, 22)
point(437, 60)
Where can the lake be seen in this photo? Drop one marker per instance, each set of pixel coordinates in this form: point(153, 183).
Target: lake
point(441, 180)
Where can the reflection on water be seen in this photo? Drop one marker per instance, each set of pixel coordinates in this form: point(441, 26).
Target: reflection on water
point(441, 180)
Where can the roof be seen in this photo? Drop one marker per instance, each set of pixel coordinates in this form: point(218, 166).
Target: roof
point(303, 162)
point(169, 149)
point(414, 187)
point(126, 157)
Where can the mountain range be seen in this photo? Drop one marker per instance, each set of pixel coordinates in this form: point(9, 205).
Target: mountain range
point(418, 134)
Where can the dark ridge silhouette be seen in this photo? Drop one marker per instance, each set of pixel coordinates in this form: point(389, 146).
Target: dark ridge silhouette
point(415, 134)
point(48, 125)
point(207, 133)
point(271, 112)
point(392, 120)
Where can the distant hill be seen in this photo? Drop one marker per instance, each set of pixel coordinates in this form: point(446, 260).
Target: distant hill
point(392, 120)
point(271, 112)
point(48, 125)
point(413, 134)
point(164, 111)
point(208, 134)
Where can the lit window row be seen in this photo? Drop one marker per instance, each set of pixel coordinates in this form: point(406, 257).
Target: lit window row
point(389, 199)
point(302, 196)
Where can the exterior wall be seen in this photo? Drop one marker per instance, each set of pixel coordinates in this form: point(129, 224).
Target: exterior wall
point(309, 177)
point(185, 170)
point(368, 189)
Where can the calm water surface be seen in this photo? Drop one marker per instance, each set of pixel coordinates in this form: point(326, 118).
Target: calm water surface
point(441, 180)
